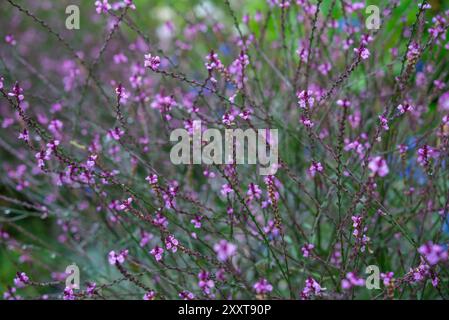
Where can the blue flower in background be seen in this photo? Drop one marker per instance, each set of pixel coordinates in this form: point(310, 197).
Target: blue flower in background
point(231, 87)
point(420, 66)
point(225, 49)
point(411, 143)
point(419, 174)
point(352, 22)
point(446, 225)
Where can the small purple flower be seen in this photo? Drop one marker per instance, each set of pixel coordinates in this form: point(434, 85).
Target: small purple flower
point(307, 249)
point(263, 286)
point(119, 258)
point(387, 278)
point(196, 222)
point(17, 92)
point(254, 191)
point(362, 52)
point(125, 204)
point(306, 99)
point(425, 154)
point(145, 238)
point(205, 283)
point(10, 294)
point(228, 118)
point(9, 39)
point(384, 123)
point(420, 273)
point(433, 253)
point(150, 295)
point(102, 6)
point(352, 280)
point(152, 179)
point(213, 62)
point(225, 250)
point(160, 220)
point(312, 288)
point(271, 229)
point(378, 166)
point(403, 108)
point(21, 279)
point(121, 93)
point(116, 133)
point(315, 167)
point(152, 62)
point(186, 295)
point(90, 163)
point(69, 294)
point(226, 189)
point(344, 103)
point(443, 102)
point(157, 252)
point(130, 4)
point(171, 243)
point(91, 286)
point(307, 122)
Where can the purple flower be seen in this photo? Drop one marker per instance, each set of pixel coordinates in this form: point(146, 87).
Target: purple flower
point(378, 166)
point(403, 108)
point(152, 179)
point(213, 62)
point(263, 286)
point(225, 250)
point(186, 295)
point(196, 222)
point(226, 189)
point(315, 167)
point(307, 122)
point(130, 4)
point(150, 295)
point(443, 102)
point(253, 192)
point(312, 288)
point(384, 123)
point(145, 238)
point(152, 62)
point(160, 220)
point(352, 280)
point(271, 228)
point(91, 286)
point(68, 294)
point(90, 163)
point(171, 243)
point(387, 278)
point(102, 6)
point(344, 103)
point(433, 253)
point(228, 119)
point(116, 133)
point(157, 253)
point(205, 283)
point(21, 279)
point(9, 39)
point(10, 294)
point(55, 127)
point(119, 258)
point(121, 93)
point(306, 99)
point(17, 92)
point(307, 249)
point(425, 154)
point(362, 52)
